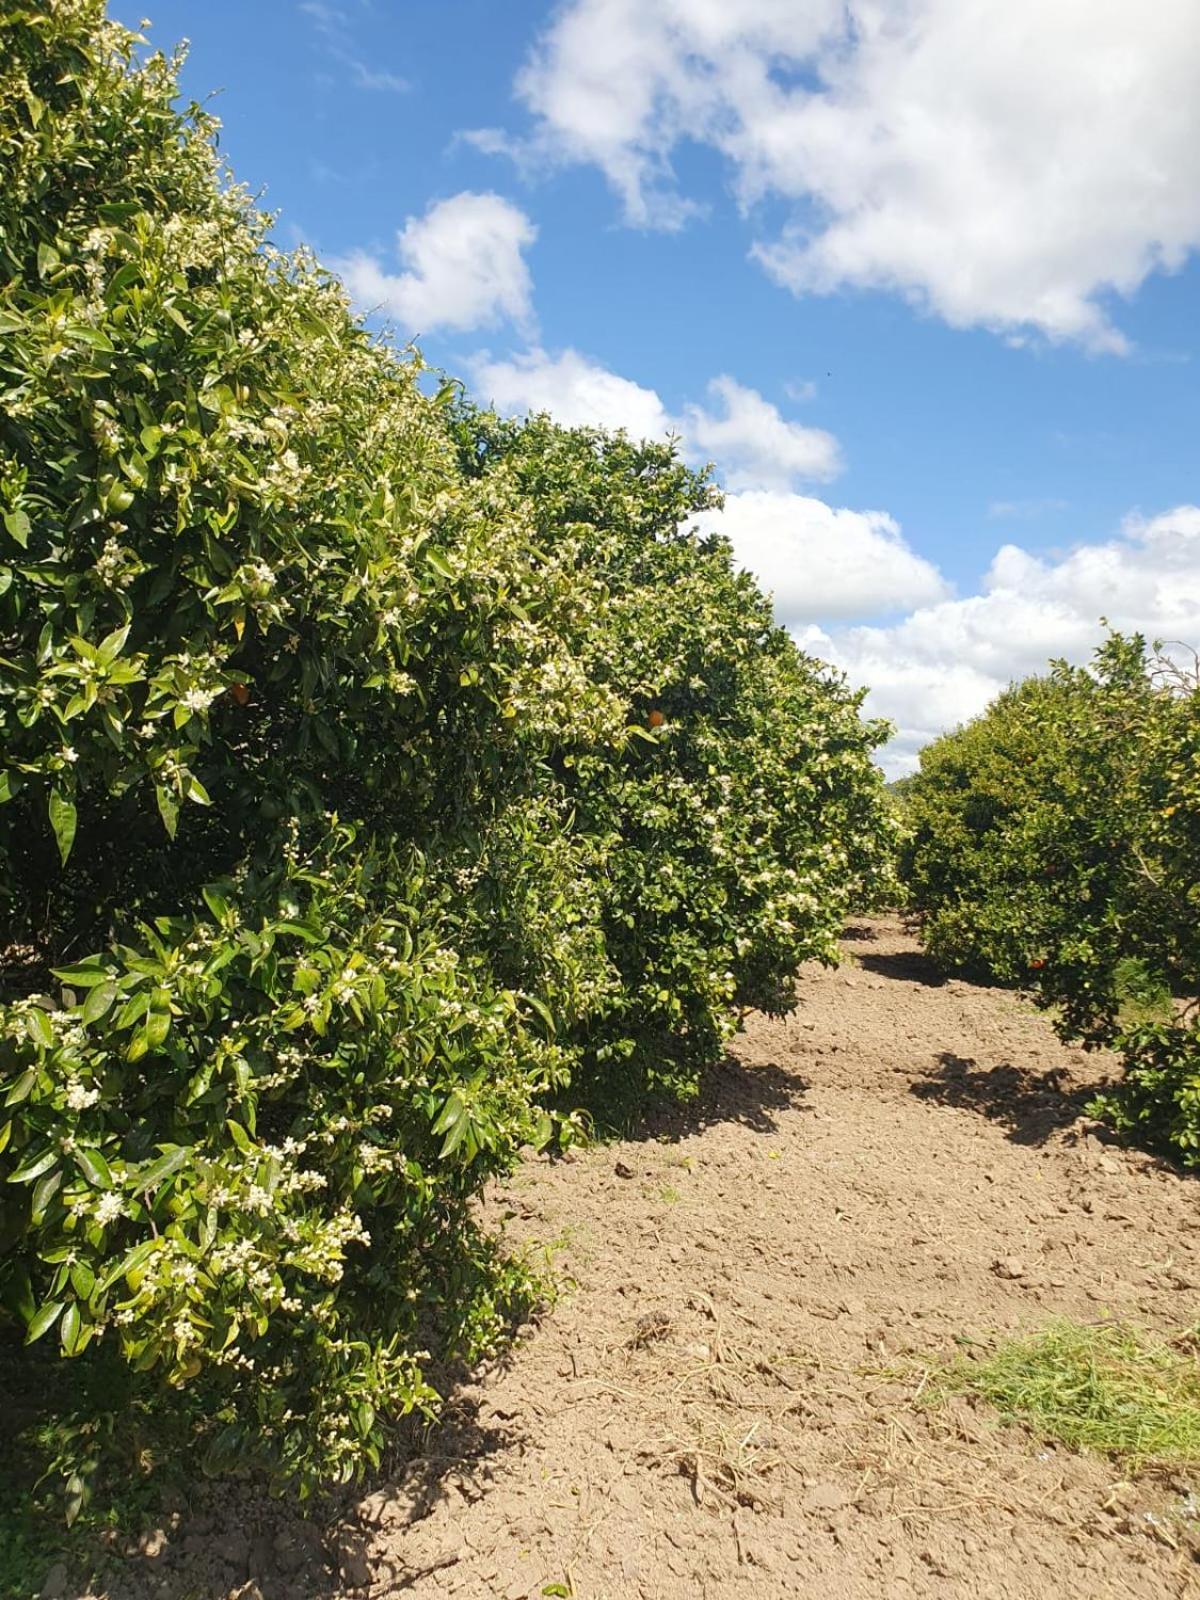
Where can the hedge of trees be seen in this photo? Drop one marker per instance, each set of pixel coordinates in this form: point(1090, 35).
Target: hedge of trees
point(377, 777)
point(1054, 843)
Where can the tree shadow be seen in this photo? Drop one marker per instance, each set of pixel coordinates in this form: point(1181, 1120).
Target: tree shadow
point(236, 1539)
point(1031, 1105)
point(909, 966)
point(463, 1444)
point(753, 1096)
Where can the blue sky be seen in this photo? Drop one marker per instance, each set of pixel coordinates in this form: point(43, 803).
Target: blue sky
point(944, 251)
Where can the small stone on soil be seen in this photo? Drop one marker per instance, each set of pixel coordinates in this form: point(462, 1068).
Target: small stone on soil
point(1008, 1267)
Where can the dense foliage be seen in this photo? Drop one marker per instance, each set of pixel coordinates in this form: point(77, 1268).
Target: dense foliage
point(1055, 842)
point(370, 770)
point(744, 823)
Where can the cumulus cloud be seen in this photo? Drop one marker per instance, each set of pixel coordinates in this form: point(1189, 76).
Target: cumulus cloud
point(575, 391)
point(463, 268)
point(822, 563)
point(757, 446)
point(945, 661)
point(751, 442)
point(817, 561)
point(838, 576)
point(1003, 163)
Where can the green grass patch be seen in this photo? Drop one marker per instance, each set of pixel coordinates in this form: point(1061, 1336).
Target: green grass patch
point(1100, 1387)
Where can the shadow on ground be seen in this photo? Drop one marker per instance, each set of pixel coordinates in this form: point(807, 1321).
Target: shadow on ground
point(909, 966)
point(1031, 1105)
point(235, 1540)
point(732, 1091)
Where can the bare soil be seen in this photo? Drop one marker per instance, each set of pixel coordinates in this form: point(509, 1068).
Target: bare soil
point(730, 1396)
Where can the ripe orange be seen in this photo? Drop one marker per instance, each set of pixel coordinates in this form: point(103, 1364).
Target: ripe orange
point(240, 693)
point(656, 719)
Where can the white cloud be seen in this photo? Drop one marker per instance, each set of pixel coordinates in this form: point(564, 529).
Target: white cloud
point(463, 268)
point(575, 391)
point(818, 562)
point(832, 570)
point(1004, 163)
point(755, 444)
point(943, 663)
point(751, 442)
point(822, 563)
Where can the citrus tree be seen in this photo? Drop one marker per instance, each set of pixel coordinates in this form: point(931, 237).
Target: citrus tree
point(744, 817)
point(371, 772)
point(268, 661)
point(1053, 843)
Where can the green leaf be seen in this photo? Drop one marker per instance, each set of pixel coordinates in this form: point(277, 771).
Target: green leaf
point(542, 1010)
point(129, 1262)
point(439, 563)
point(47, 259)
point(63, 818)
point(99, 1001)
point(169, 1162)
point(18, 525)
point(157, 1027)
point(22, 1089)
point(39, 1028)
point(129, 272)
point(43, 1320)
point(33, 1166)
point(239, 1136)
point(68, 1331)
point(150, 1035)
point(455, 1137)
point(168, 807)
point(216, 902)
point(77, 1494)
point(94, 1168)
point(111, 647)
point(451, 1112)
point(83, 1279)
point(44, 1191)
point(84, 974)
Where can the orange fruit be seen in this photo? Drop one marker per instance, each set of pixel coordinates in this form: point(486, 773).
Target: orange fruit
point(240, 693)
point(656, 719)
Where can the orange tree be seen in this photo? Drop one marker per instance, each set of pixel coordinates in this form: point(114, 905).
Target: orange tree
point(743, 818)
point(1053, 842)
point(337, 833)
point(268, 661)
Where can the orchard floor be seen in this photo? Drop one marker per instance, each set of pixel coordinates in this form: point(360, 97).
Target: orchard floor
point(728, 1398)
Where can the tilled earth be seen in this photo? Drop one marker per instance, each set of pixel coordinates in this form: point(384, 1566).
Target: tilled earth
point(730, 1396)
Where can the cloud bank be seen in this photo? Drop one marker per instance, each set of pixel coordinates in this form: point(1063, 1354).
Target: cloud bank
point(1001, 163)
point(944, 662)
point(847, 582)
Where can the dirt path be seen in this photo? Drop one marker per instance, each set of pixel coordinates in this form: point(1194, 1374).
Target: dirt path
point(723, 1402)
